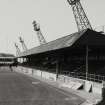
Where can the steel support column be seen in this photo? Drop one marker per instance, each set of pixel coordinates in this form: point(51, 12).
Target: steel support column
point(87, 55)
point(57, 69)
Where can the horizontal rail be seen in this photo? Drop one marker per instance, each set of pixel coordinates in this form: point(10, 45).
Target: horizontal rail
point(81, 75)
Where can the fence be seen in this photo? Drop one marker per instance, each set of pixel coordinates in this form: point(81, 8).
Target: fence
point(81, 75)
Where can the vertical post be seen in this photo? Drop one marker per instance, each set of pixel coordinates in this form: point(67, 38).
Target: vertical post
point(86, 62)
point(20, 60)
point(57, 69)
point(41, 74)
point(23, 59)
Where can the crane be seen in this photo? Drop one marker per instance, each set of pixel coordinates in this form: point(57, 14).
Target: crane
point(23, 44)
point(79, 14)
point(17, 50)
point(39, 33)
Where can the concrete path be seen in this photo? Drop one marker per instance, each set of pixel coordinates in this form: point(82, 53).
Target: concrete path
point(19, 89)
point(90, 98)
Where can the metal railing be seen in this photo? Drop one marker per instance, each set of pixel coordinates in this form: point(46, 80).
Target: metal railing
point(81, 75)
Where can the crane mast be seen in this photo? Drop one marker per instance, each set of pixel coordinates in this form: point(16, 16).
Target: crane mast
point(79, 14)
point(23, 44)
point(17, 50)
point(39, 33)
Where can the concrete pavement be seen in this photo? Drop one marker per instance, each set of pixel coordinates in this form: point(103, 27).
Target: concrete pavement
point(91, 99)
point(19, 89)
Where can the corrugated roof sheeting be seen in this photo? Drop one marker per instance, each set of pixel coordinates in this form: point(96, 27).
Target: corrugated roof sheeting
point(63, 42)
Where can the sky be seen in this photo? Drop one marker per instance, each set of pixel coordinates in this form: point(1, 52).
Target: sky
point(55, 17)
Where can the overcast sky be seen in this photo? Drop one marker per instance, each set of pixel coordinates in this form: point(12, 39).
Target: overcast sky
point(54, 16)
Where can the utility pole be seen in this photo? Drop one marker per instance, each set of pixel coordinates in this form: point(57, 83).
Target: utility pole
point(39, 33)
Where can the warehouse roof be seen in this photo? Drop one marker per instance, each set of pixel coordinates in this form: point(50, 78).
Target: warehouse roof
point(89, 36)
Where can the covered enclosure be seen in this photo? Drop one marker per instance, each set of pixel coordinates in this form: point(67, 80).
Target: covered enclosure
point(82, 52)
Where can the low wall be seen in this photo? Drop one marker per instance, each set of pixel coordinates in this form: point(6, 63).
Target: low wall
point(43, 74)
point(70, 82)
point(67, 79)
point(88, 86)
point(97, 88)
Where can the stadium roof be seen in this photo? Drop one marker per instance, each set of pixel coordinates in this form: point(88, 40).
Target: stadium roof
point(4, 55)
point(84, 37)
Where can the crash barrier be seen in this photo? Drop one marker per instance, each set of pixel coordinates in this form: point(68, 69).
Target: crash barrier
point(76, 83)
point(70, 82)
point(88, 86)
point(66, 80)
